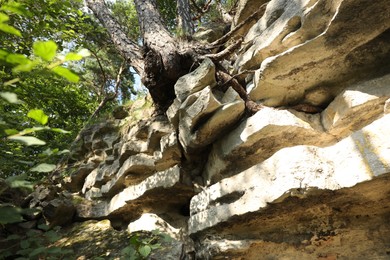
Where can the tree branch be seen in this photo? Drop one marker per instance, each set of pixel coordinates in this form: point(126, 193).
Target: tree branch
point(201, 11)
point(101, 70)
point(128, 48)
point(109, 97)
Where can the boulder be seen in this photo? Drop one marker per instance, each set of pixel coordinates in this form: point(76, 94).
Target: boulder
point(195, 81)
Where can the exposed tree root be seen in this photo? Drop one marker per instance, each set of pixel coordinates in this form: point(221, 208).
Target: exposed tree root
point(251, 107)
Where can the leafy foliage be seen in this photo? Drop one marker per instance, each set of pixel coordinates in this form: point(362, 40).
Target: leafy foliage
point(37, 74)
point(142, 244)
point(34, 245)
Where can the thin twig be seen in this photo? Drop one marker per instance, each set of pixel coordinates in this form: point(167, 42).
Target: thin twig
point(101, 70)
point(111, 97)
point(201, 11)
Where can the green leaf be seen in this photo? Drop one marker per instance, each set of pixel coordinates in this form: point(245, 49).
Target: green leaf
point(73, 56)
point(25, 244)
point(28, 66)
point(37, 251)
point(43, 227)
point(17, 59)
point(59, 130)
point(14, 7)
point(64, 72)
point(155, 246)
point(27, 140)
point(11, 82)
point(3, 17)
point(43, 167)
point(3, 54)
point(63, 152)
point(134, 240)
point(11, 131)
point(38, 115)
point(129, 250)
point(23, 252)
point(54, 250)
point(22, 184)
point(52, 236)
point(46, 50)
point(10, 29)
point(10, 214)
point(13, 237)
point(33, 129)
point(19, 181)
point(10, 97)
point(166, 238)
point(144, 250)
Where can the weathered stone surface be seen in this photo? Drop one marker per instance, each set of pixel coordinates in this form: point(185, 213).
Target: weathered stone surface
point(137, 167)
point(132, 147)
point(303, 45)
point(120, 112)
point(204, 117)
point(78, 176)
point(195, 81)
point(357, 105)
point(258, 137)
point(386, 108)
point(157, 130)
point(209, 33)
point(291, 172)
point(151, 222)
point(173, 113)
point(58, 212)
point(245, 9)
point(144, 197)
point(170, 153)
point(321, 225)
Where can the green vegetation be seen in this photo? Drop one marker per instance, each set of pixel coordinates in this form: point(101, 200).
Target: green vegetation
point(35, 244)
point(142, 244)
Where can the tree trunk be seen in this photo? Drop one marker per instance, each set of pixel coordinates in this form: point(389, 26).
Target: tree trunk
point(162, 59)
point(128, 48)
point(159, 63)
point(184, 20)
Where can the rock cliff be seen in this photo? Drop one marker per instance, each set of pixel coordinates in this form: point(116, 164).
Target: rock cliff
point(306, 177)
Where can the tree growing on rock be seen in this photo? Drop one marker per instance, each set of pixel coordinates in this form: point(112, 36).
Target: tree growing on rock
point(159, 57)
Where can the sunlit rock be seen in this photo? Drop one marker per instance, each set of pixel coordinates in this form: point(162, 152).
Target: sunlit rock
point(195, 81)
point(294, 172)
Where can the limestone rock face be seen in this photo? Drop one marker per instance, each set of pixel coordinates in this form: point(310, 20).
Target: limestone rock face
point(284, 183)
point(291, 172)
point(301, 47)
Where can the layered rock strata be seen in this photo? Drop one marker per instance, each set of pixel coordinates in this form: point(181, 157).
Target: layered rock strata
point(279, 184)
